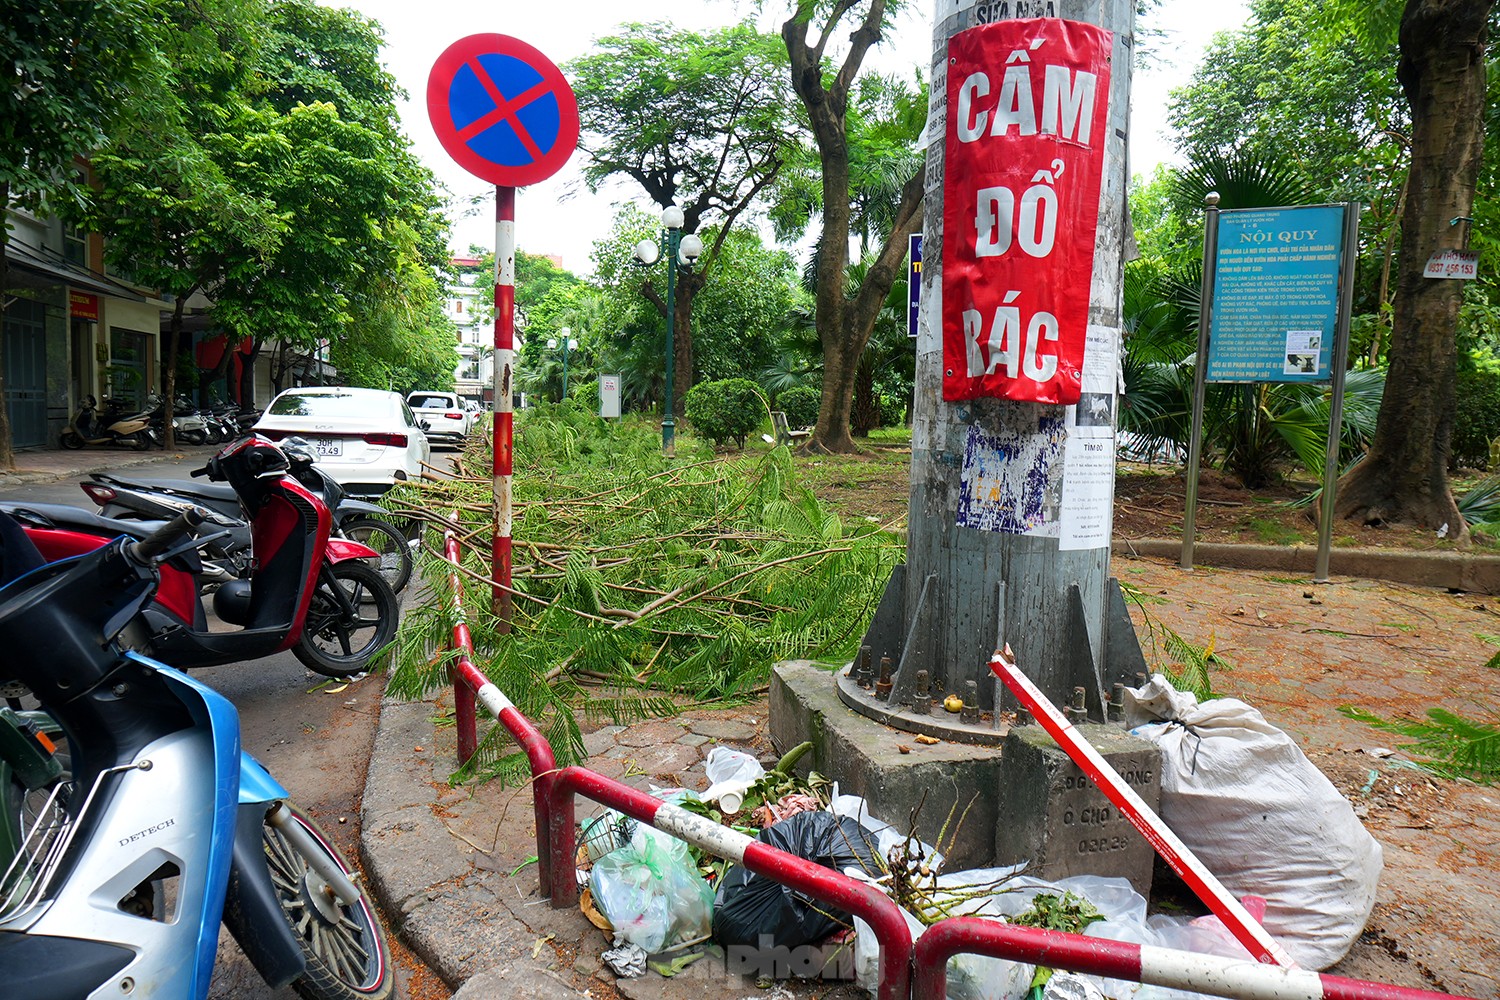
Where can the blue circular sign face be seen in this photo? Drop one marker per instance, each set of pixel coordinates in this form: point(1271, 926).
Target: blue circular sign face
point(502, 110)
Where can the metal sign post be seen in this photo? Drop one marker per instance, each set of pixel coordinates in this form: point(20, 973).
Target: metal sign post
point(505, 113)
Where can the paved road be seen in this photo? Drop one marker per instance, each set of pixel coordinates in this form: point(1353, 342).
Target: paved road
point(316, 740)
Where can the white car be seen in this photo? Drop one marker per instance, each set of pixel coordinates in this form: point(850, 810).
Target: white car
point(448, 420)
point(367, 440)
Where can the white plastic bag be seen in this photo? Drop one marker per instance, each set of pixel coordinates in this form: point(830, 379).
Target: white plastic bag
point(978, 977)
point(1262, 818)
point(730, 773)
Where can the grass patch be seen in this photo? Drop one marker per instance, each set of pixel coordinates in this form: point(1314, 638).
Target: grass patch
point(1273, 532)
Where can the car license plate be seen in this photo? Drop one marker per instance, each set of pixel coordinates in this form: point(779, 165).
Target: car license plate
point(328, 447)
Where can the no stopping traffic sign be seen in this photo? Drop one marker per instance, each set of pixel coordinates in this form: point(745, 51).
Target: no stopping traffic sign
point(502, 110)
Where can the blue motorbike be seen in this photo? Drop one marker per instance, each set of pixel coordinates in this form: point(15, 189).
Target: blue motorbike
point(133, 824)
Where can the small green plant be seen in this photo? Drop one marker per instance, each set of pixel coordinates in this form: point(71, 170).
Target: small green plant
point(725, 409)
point(1274, 532)
point(800, 404)
point(1187, 665)
point(1068, 913)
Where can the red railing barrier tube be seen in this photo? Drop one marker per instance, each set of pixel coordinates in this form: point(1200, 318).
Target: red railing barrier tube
point(1246, 930)
point(807, 877)
point(1241, 979)
point(469, 684)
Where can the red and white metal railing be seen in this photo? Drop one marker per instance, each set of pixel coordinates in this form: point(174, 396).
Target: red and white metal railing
point(1224, 977)
point(807, 877)
point(469, 684)
point(553, 794)
point(918, 971)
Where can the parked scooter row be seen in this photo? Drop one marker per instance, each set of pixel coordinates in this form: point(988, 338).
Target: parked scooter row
point(230, 557)
point(195, 425)
point(110, 425)
point(133, 823)
point(304, 590)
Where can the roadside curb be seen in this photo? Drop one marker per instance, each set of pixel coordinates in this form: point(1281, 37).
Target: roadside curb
point(459, 918)
point(1463, 571)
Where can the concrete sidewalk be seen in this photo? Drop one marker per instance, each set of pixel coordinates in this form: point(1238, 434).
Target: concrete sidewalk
point(455, 872)
point(35, 468)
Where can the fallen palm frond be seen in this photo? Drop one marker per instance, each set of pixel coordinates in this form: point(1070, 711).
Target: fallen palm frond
point(641, 584)
point(1451, 745)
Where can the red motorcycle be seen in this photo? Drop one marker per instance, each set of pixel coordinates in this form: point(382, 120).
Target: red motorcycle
point(307, 591)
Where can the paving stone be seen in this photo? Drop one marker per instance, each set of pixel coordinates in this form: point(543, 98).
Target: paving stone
point(692, 740)
point(650, 733)
point(610, 767)
point(666, 758)
point(596, 743)
point(516, 980)
point(724, 730)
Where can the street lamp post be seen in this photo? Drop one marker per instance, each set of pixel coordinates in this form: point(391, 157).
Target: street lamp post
point(568, 344)
point(681, 251)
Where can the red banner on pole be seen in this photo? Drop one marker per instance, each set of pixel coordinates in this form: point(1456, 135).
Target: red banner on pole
point(1028, 113)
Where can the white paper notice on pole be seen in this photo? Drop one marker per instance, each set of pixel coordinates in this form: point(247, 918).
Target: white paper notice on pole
point(1101, 360)
point(1461, 264)
point(1088, 493)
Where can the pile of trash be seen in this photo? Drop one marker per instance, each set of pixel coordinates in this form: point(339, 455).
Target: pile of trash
point(1237, 791)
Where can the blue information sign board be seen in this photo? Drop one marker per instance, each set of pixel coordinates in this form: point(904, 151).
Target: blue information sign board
point(1275, 294)
point(913, 282)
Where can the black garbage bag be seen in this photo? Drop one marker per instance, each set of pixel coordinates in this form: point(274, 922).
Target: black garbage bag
point(749, 905)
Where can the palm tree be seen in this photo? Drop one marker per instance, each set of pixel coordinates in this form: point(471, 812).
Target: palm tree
point(1248, 428)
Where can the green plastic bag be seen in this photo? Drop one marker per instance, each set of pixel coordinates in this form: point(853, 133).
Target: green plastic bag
point(652, 893)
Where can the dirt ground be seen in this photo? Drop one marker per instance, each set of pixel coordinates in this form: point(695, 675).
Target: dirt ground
point(1299, 652)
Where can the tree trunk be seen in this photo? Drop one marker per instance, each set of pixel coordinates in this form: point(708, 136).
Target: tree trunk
point(169, 380)
point(865, 414)
point(845, 321)
point(688, 283)
point(1404, 478)
point(247, 374)
point(7, 451)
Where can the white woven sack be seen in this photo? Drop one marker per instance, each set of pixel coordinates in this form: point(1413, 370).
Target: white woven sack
point(1243, 797)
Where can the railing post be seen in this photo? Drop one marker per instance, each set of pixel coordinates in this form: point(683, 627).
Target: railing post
point(464, 717)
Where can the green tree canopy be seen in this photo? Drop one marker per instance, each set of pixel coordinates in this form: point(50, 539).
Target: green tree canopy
point(696, 119)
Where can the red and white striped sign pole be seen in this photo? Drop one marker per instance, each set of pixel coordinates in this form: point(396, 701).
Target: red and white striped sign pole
point(477, 92)
point(504, 436)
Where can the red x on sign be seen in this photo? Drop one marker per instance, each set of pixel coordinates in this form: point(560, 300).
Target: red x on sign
point(502, 110)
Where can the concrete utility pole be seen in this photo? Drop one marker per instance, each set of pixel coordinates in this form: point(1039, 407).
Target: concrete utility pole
point(1002, 546)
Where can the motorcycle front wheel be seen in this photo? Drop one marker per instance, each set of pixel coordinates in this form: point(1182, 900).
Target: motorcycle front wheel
point(353, 615)
point(344, 945)
point(72, 440)
point(394, 562)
